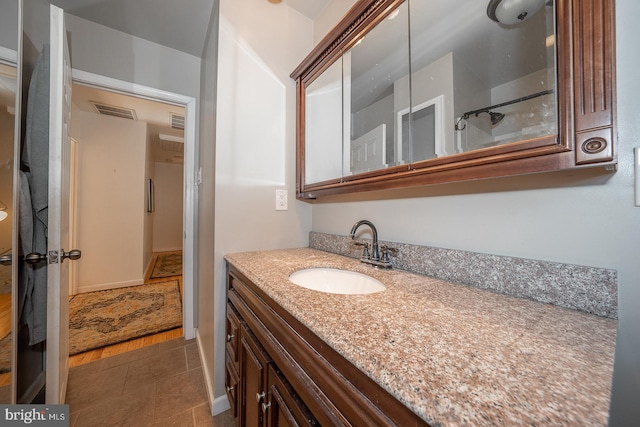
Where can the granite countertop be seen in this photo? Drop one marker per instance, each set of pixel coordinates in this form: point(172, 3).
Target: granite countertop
point(453, 354)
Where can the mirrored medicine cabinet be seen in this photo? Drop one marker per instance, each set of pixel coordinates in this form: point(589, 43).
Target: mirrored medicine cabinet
point(415, 92)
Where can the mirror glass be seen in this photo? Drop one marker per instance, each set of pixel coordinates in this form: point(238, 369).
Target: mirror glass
point(376, 86)
point(7, 122)
point(477, 82)
point(323, 126)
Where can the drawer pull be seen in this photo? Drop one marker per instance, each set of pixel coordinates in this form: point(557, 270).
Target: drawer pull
point(230, 337)
point(265, 406)
point(259, 396)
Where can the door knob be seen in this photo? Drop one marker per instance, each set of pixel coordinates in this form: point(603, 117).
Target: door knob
point(5, 259)
point(73, 255)
point(34, 258)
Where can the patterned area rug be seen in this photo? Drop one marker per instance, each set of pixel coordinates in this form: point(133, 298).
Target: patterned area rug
point(167, 264)
point(97, 319)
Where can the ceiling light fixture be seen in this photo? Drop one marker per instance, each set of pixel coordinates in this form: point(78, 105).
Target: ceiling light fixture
point(275, 1)
point(512, 12)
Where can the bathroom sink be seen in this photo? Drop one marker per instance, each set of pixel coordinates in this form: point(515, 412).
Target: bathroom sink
point(335, 281)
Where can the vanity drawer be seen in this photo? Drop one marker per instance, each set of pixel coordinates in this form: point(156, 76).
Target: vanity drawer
point(232, 334)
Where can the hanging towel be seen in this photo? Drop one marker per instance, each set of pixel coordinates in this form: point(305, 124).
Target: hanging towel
point(35, 164)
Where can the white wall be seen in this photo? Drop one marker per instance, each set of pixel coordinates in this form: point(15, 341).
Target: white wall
point(101, 50)
point(570, 218)
point(329, 17)
point(209, 332)
point(9, 24)
point(260, 44)
point(111, 203)
point(169, 197)
point(622, 245)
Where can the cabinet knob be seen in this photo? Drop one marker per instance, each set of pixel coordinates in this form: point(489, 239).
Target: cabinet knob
point(230, 337)
point(259, 396)
point(265, 406)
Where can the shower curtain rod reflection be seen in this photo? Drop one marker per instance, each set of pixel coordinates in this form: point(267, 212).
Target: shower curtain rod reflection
point(468, 114)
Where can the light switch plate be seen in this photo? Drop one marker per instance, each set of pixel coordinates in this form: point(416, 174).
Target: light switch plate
point(282, 200)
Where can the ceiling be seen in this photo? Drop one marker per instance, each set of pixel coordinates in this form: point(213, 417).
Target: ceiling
point(180, 25)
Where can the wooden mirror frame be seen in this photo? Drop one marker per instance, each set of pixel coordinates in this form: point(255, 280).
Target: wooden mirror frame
point(585, 38)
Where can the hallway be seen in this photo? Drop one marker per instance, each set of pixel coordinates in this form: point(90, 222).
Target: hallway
point(157, 385)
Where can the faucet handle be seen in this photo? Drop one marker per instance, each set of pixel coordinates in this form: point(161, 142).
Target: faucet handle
point(365, 249)
point(385, 252)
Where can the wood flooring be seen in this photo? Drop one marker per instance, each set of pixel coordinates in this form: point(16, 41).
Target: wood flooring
point(123, 347)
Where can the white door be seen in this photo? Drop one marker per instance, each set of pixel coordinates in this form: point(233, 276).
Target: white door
point(57, 353)
point(369, 152)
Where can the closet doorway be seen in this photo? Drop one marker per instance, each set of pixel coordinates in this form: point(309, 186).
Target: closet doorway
point(134, 150)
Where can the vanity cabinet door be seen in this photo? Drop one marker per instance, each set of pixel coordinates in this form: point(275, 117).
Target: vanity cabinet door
point(253, 379)
point(285, 407)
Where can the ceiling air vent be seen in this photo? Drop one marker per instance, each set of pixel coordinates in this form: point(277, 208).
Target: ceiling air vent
point(177, 121)
point(110, 110)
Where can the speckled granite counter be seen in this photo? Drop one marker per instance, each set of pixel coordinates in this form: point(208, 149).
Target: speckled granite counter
point(453, 354)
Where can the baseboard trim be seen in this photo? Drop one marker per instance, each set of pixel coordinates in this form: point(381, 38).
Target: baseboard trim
point(172, 249)
point(220, 405)
point(216, 405)
point(105, 286)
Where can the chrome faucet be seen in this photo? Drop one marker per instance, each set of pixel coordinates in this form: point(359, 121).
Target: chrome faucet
point(372, 258)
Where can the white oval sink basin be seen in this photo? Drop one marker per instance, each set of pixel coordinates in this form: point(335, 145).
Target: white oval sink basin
point(335, 281)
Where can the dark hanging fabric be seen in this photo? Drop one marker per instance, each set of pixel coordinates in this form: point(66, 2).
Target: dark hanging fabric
point(35, 164)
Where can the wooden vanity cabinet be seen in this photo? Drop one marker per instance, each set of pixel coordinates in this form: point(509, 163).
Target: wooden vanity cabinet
point(253, 380)
point(288, 376)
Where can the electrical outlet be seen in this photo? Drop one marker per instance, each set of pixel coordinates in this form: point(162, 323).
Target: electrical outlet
point(282, 202)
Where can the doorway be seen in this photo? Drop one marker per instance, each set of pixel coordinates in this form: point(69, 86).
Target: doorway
point(171, 140)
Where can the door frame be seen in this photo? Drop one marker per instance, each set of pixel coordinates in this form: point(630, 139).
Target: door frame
point(190, 206)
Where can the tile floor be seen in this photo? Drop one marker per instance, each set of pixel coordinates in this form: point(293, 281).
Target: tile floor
point(159, 385)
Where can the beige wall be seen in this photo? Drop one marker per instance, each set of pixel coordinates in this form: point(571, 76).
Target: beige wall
point(169, 196)
point(111, 202)
point(149, 217)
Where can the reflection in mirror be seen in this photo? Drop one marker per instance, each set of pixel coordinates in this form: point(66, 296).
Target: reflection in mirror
point(476, 82)
point(376, 85)
point(323, 126)
point(7, 120)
